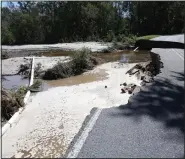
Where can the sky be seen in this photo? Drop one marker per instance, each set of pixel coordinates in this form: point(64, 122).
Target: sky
point(4, 4)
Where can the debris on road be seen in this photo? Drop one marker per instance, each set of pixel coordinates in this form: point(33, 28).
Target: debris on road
point(147, 70)
point(123, 90)
point(124, 83)
point(136, 90)
point(128, 88)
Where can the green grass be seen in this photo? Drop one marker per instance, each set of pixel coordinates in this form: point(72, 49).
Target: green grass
point(147, 37)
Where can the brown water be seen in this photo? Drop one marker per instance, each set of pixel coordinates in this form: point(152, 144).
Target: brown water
point(133, 57)
point(57, 53)
point(75, 80)
point(14, 82)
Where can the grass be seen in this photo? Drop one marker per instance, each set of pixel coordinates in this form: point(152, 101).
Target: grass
point(147, 37)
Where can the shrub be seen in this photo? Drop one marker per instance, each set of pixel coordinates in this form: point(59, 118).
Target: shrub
point(130, 40)
point(4, 56)
point(11, 101)
point(81, 61)
point(119, 45)
point(108, 50)
point(110, 36)
point(120, 37)
point(36, 85)
point(60, 70)
point(124, 42)
point(38, 72)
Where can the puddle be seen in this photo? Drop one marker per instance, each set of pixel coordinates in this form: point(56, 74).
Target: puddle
point(57, 53)
point(14, 82)
point(134, 57)
point(131, 56)
point(75, 80)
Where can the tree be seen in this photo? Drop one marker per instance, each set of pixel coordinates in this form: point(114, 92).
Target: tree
point(63, 21)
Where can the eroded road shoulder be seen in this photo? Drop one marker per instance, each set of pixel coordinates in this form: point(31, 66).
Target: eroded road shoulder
point(152, 124)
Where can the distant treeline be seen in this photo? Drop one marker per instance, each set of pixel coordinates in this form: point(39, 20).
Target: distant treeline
point(62, 21)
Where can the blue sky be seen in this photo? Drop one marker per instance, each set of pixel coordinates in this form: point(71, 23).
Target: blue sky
point(4, 4)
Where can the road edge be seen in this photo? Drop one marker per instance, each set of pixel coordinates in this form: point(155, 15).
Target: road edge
point(91, 118)
point(15, 118)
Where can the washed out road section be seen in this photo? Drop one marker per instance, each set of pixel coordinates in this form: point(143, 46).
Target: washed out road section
point(52, 118)
point(152, 124)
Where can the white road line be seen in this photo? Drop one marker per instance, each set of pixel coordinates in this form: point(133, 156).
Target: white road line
point(81, 140)
point(179, 54)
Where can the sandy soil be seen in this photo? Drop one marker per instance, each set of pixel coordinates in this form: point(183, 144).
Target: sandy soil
point(49, 62)
point(11, 65)
point(46, 62)
point(52, 118)
point(94, 46)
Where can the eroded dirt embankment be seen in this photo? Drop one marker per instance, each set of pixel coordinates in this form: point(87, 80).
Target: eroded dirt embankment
point(145, 72)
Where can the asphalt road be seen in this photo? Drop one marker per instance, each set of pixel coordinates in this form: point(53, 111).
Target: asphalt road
point(152, 125)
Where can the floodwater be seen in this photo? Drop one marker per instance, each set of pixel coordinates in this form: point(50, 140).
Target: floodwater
point(133, 56)
point(122, 56)
point(75, 80)
point(129, 56)
point(57, 53)
point(14, 82)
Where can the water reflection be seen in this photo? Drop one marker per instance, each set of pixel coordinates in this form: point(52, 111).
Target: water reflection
point(14, 82)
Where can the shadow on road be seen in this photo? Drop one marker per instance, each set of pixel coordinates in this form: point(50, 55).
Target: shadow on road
point(149, 44)
point(162, 100)
point(179, 75)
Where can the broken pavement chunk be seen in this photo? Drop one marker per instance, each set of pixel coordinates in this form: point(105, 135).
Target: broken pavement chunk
point(123, 90)
point(124, 83)
point(136, 90)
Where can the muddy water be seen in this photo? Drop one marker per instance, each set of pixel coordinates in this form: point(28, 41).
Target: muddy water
point(57, 53)
point(14, 82)
point(134, 57)
point(75, 80)
point(130, 56)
